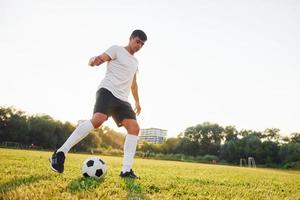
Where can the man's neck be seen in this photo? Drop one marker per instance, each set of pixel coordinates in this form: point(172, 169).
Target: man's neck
point(129, 50)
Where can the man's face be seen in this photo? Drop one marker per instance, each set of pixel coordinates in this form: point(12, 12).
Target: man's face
point(136, 44)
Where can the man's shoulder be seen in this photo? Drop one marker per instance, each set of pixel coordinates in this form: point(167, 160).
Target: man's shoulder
point(115, 46)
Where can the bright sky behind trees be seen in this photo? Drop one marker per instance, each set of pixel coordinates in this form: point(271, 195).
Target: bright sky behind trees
point(227, 62)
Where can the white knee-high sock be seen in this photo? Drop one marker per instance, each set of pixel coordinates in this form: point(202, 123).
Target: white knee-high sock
point(129, 151)
point(78, 134)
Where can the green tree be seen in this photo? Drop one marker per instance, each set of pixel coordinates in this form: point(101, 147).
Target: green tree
point(90, 142)
point(187, 147)
point(230, 151)
point(169, 146)
point(295, 137)
point(206, 138)
point(290, 152)
point(42, 131)
point(271, 134)
point(251, 145)
point(111, 138)
point(245, 133)
point(150, 148)
point(230, 133)
point(248, 146)
point(13, 125)
point(269, 153)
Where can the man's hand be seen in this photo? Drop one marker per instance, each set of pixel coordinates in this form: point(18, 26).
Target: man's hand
point(96, 61)
point(138, 108)
point(91, 61)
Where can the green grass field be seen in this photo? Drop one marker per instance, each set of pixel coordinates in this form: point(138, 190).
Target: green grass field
point(26, 175)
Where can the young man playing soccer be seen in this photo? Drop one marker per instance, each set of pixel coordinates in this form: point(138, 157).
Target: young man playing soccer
point(112, 101)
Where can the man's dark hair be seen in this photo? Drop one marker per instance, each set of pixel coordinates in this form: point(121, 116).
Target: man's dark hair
point(139, 33)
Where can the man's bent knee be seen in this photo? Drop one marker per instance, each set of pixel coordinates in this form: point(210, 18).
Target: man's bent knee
point(134, 130)
point(131, 126)
point(98, 119)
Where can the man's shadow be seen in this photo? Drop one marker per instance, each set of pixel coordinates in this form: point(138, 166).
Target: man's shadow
point(84, 184)
point(13, 184)
point(134, 189)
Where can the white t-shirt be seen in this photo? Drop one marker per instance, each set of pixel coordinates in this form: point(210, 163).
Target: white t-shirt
point(120, 72)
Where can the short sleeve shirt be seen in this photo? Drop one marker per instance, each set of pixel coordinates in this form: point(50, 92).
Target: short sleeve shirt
point(120, 72)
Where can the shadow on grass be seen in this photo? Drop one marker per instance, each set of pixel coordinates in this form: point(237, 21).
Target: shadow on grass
point(11, 185)
point(135, 189)
point(84, 184)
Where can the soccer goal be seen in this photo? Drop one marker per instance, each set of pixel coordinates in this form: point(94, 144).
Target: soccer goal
point(243, 161)
point(251, 162)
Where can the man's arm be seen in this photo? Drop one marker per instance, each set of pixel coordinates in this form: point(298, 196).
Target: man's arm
point(135, 94)
point(98, 60)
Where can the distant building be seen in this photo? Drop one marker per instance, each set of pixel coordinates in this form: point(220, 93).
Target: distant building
point(153, 135)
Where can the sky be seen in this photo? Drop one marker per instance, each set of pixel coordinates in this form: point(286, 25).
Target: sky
point(227, 62)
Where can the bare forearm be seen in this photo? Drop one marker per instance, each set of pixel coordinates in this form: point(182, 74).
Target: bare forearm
point(98, 60)
point(135, 95)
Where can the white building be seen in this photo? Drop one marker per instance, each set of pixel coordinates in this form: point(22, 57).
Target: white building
point(153, 135)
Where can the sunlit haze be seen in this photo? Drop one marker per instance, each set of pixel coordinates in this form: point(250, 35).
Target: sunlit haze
point(227, 62)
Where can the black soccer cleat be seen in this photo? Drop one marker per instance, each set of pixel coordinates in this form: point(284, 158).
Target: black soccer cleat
point(57, 161)
point(129, 174)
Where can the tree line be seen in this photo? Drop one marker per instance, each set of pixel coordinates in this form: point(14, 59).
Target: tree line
point(202, 142)
point(210, 141)
point(44, 132)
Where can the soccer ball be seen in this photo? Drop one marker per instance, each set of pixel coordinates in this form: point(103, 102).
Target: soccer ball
point(93, 167)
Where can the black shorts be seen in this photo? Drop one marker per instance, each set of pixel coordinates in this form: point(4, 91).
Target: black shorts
point(109, 105)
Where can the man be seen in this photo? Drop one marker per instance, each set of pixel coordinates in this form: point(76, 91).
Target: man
point(112, 101)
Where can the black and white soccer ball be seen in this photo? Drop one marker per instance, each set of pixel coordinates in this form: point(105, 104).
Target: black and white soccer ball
point(93, 167)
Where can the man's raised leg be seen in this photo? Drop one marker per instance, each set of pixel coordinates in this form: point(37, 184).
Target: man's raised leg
point(83, 129)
